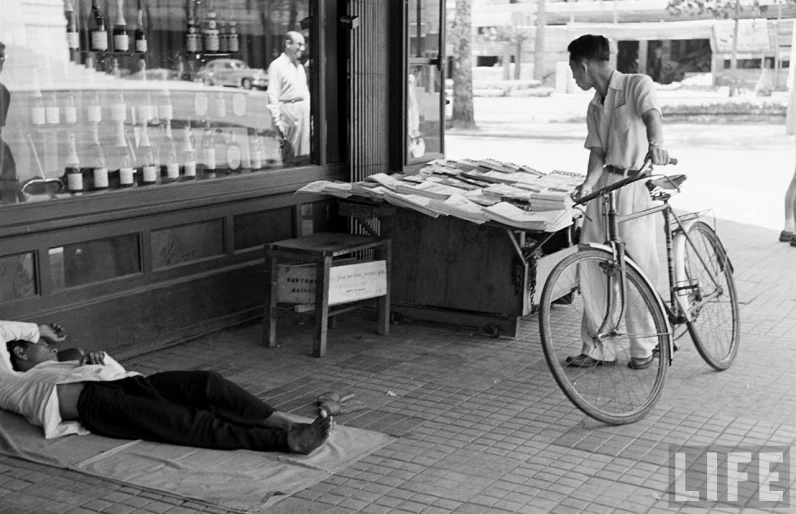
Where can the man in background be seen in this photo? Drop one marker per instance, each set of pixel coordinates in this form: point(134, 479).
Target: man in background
point(289, 98)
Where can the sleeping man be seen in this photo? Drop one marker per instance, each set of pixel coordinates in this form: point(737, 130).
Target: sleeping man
point(94, 393)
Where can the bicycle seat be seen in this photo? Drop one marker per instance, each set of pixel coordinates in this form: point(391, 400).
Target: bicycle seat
point(668, 183)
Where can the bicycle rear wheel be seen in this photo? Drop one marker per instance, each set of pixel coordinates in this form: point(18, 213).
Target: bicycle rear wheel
point(611, 393)
point(712, 300)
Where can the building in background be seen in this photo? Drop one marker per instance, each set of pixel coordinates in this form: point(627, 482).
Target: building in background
point(645, 36)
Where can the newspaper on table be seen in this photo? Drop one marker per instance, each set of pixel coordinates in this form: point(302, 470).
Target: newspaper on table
point(546, 221)
point(473, 190)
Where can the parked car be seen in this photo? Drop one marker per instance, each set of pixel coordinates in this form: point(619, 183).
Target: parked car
point(234, 73)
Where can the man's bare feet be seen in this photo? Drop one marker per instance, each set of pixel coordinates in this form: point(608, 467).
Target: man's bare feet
point(304, 438)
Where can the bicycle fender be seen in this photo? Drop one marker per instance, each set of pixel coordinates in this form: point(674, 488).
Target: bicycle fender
point(678, 254)
point(631, 263)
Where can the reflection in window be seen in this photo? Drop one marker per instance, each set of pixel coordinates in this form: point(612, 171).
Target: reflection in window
point(94, 261)
point(424, 80)
point(17, 278)
point(171, 91)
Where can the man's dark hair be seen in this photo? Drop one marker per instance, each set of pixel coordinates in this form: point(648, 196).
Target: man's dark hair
point(11, 346)
point(591, 47)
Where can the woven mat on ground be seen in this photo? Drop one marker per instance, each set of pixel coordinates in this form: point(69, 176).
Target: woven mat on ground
point(240, 480)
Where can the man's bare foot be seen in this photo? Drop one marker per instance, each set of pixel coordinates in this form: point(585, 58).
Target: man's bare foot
point(304, 438)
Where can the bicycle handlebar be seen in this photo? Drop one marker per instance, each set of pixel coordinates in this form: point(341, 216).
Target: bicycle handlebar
point(638, 175)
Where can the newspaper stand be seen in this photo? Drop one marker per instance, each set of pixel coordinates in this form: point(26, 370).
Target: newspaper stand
point(453, 271)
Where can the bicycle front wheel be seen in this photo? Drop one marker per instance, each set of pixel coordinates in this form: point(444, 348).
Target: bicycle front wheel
point(712, 300)
point(582, 293)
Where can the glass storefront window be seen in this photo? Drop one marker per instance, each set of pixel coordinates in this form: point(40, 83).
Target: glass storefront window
point(424, 91)
point(102, 95)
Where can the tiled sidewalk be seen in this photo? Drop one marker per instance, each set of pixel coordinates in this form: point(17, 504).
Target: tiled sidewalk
point(480, 424)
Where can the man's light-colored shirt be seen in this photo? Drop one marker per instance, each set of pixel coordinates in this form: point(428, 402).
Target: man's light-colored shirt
point(287, 83)
point(33, 394)
point(616, 126)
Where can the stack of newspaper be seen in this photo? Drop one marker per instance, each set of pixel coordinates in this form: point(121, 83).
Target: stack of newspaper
point(513, 216)
point(473, 190)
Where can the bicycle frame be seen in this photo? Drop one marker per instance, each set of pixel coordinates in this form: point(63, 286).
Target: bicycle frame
point(674, 225)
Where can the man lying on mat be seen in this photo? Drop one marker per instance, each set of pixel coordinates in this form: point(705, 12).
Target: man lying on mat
point(93, 393)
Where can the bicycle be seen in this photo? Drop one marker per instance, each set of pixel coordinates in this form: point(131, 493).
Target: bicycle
point(702, 297)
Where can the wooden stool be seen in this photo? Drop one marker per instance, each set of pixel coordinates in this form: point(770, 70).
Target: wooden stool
point(320, 249)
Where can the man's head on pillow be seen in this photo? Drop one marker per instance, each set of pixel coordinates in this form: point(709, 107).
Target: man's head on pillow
point(25, 354)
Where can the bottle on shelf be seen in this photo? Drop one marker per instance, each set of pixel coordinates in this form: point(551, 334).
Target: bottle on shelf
point(222, 37)
point(97, 28)
point(141, 43)
point(94, 109)
point(188, 153)
point(72, 32)
point(70, 109)
point(211, 32)
point(119, 108)
point(52, 111)
point(126, 171)
point(121, 39)
point(233, 38)
point(193, 40)
point(207, 165)
point(171, 169)
point(143, 135)
point(234, 154)
point(99, 166)
point(165, 108)
point(74, 175)
point(255, 150)
point(149, 168)
point(115, 70)
point(220, 143)
point(272, 150)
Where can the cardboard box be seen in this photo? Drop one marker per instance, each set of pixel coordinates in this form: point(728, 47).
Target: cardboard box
point(347, 282)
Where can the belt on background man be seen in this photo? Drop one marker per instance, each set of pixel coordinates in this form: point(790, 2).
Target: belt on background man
point(613, 169)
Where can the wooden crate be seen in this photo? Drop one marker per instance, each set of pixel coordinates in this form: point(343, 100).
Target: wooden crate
point(347, 282)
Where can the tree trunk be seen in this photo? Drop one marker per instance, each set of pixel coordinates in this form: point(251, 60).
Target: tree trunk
point(518, 60)
point(538, 51)
point(463, 116)
point(734, 83)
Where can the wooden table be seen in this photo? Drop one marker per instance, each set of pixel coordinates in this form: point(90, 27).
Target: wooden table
point(453, 271)
point(321, 249)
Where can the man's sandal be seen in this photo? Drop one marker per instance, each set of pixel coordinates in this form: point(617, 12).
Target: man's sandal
point(640, 362)
point(584, 361)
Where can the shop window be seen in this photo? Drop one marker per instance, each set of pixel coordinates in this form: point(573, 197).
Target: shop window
point(174, 246)
point(17, 278)
point(425, 93)
point(134, 93)
point(94, 261)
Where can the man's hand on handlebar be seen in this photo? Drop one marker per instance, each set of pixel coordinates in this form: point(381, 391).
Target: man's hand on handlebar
point(584, 189)
point(657, 156)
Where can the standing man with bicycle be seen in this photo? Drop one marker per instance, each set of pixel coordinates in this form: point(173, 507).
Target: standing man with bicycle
point(624, 128)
